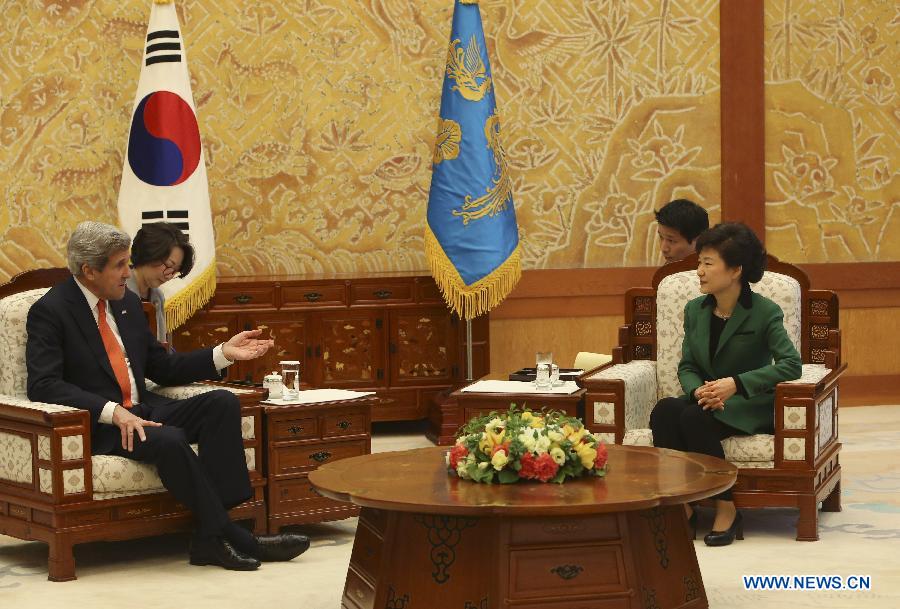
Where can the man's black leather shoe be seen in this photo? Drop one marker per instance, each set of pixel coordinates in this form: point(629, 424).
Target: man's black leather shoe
point(218, 551)
point(283, 546)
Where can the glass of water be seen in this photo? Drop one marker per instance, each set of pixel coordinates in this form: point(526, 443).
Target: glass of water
point(543, 357)
point(554, 375)
point(290, 375)
point(542, 376)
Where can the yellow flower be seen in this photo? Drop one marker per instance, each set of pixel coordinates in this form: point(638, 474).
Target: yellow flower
point(567, 430)
point(499, 459)
point(575, 436)
point(586, 453)
point(527, 416)
point(555, 436)
point(537, 422)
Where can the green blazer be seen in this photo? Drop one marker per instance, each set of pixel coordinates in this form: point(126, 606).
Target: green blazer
point(753, 337)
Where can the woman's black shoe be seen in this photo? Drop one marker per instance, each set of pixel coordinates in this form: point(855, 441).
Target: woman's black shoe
point(724, 538)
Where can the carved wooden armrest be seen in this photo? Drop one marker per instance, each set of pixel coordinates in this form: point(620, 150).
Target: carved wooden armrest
point(619, 397)
point(806, 422)
point(46, 450)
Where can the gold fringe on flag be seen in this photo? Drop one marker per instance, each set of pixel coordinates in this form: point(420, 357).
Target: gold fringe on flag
point(470, 301)
point(164, 2)
point(180, 307)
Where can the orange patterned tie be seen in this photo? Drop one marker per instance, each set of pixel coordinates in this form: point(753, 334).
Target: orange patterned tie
point(114, 353)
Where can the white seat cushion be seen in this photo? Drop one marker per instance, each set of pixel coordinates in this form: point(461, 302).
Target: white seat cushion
point(757, 451)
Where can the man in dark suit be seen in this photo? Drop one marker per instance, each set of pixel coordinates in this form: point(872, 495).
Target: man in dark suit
point(90, 347)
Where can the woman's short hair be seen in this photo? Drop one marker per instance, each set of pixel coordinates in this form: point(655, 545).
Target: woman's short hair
point(92, 243)
point(154, 242)
point(738, 246)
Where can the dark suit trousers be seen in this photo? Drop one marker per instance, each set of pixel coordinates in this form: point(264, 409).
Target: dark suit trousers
point(214, 481)
point(681, 424)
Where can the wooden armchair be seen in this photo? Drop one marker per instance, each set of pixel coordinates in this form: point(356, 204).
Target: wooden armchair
point(796, 467)
point(53, 490)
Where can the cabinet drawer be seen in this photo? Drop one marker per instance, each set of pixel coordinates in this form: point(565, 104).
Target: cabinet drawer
point(373, 293)
point(310, 456)
point(312, 295)
point(523, 531)
point(238, 297)
point(427, 291)
point(346, 424)
point(297, 494)
point(566, 570)
point(358, 591)
point(367, 551)
point(296, 429)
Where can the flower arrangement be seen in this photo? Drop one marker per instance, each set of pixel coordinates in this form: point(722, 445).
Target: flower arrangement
point(523, 445)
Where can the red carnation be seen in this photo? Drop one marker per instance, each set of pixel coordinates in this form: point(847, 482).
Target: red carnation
point(456, 453)
point(527, 462)
point(600, 459)
point(545, 467)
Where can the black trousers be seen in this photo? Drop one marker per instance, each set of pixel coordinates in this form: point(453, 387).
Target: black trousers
point(209, 483)
point(681, 424)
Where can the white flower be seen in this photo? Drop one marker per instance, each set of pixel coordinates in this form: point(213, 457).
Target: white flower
point(555, 436)
point(470, 458)
point(558, 455)
point(542, 444)
point(527, 439)
point(483, 465)
point(461, 470)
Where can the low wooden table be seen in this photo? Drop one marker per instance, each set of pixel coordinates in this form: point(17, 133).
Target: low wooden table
point(300, 438)
point(614, 543)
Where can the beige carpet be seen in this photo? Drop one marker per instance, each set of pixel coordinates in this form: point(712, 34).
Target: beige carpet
point(864, 539)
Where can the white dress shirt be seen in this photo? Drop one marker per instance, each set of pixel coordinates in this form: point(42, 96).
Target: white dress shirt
point(106, 415)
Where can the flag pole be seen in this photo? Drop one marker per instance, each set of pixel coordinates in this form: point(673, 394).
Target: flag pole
point(469, 350)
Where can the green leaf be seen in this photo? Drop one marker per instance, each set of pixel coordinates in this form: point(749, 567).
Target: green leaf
point(508, 476)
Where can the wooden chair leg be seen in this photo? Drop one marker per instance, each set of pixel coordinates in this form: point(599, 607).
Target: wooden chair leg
point(832, 502)
point(61, 564)
point(808, 522)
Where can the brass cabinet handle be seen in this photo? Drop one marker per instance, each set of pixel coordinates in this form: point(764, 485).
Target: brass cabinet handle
point(312, 296)
point(383, 294)
point(344, 424)
point(321, 456)
point(295, 429)
point(243, 298)
point(567, 571)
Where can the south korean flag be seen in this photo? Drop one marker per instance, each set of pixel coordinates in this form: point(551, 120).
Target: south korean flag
point(164, 174)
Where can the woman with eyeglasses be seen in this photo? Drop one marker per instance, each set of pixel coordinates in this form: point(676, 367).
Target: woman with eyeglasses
point(159, 252)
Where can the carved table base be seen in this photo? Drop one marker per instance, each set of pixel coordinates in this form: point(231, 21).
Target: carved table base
point(633, 559)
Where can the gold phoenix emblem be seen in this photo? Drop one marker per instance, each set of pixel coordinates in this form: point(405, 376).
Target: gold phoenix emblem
point(467, 69)
point(446, 147)
point(495, 199)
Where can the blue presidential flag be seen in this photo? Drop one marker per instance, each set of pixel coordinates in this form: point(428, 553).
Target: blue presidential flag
point(471, 236)
point(164, 173)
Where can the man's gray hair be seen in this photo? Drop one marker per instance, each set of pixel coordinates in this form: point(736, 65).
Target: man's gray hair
point(92, 243)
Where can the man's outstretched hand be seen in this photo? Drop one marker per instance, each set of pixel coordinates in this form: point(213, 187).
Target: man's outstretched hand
point(246, 345)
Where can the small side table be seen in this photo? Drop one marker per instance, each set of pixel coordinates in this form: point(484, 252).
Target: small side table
point(471, 404)
point(298, 439)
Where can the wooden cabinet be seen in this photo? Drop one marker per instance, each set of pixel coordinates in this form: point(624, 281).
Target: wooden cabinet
point(390, 334)
point(300, 438)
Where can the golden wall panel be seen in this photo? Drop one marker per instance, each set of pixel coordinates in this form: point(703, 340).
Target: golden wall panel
point(832, 130)
point(318, 118)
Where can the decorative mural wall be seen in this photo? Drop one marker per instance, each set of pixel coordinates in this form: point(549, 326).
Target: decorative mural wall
point(833, 130)
point(319, 117)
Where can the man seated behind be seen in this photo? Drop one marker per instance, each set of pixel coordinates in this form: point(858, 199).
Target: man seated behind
point(680, 223)
point(89, 346)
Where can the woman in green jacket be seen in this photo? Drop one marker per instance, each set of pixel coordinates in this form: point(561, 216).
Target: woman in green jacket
point(735, 351)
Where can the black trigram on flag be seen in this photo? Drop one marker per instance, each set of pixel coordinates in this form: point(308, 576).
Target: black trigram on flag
point(163, 46)
point(177, 217)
